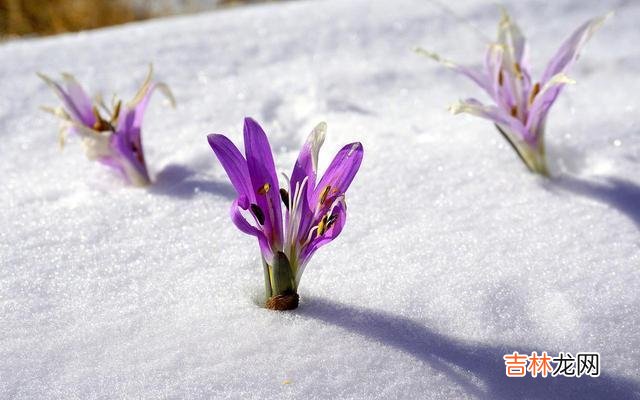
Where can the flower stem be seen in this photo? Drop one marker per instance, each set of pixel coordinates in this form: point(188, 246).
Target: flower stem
point(280, 284)
point(267, 279)
point(533, 157)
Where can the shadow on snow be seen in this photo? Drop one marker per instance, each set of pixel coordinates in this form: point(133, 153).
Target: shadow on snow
point(178, 181)
point(466, 362)
point(618, 193)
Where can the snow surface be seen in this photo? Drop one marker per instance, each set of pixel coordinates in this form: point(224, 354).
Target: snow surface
point(453, 255)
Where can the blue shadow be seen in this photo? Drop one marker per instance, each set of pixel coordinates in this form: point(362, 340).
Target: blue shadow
point(480, 361)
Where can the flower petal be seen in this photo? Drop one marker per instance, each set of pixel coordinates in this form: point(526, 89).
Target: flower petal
point(241, 223)
point(570, 50)
point(341, 171)
point(493, 67)
point(493, 113)
point(143, 96)
point(128, 143)
point(544, 100)
point(233, 163)
point(341, 218)
point(76, 102)
point(476, 76)
point(262, 172)
point(512, 39)
point(307, 163)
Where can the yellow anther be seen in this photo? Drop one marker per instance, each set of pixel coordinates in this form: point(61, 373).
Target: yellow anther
point(324, 193)
point(518, 70)
point(264, 189)
point(322, 226)
point(534, 92)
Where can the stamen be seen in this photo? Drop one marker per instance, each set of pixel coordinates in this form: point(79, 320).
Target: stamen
point(514, 111)
point(100, 124)
point(322, 226)
point(331, 220)
point(323, 194)
point(264, 189)
point(257, 211)
point(500, 78)
point(284, 196)
point(116, 112)
point(296, 211)
point(518, 70)
point(534, 92)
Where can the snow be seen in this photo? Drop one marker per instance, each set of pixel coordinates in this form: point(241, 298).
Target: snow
point(452, 256)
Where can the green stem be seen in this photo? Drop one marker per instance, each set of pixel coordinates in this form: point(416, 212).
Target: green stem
point(278, 276)
point(533, 158)
point(267, 279)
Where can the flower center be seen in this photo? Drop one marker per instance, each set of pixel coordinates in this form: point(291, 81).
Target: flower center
point(102, 124)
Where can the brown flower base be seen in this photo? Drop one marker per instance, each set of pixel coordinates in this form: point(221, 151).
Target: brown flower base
point(283, 302)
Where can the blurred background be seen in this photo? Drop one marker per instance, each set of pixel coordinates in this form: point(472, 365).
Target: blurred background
point(50, 17)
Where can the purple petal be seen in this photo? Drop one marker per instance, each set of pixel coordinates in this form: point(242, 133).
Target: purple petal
point(241, 223)
point(476, 76)
point(76, 102)
point(570, 50)
point(493, 113)
point(128, 143)
point(334, 183)
point(493, 67)
point(341, 212)
point(342, 170)
point(233, 163)
point(262, 172)
point(141, 101)
point(543, 102)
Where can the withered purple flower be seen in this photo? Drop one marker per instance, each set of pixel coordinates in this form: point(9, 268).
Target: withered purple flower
point(314, 211)
point(521, 104)
point(110, 135)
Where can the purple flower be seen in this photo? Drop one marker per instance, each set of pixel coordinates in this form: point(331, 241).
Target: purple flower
point(314, 210)
point(114, 140)
point(521, 104)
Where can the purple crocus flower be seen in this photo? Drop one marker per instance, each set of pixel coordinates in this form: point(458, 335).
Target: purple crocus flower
point(521, 104)
point(314, 211)
point(114, 140)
